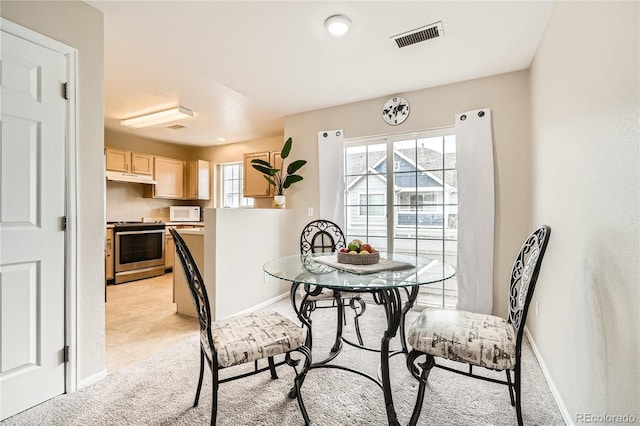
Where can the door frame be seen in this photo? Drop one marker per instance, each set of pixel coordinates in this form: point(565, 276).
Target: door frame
point(71, 192)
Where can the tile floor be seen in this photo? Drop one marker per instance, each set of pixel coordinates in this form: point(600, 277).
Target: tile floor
point(141, 319)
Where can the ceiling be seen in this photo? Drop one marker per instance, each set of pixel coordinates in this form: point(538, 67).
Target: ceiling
point(242, 66)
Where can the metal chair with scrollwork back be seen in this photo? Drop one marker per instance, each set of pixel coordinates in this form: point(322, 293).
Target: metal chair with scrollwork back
point(241, 339)
point(324, 236)
point(478, 339)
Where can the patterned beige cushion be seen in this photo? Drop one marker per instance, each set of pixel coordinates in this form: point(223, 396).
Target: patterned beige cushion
point(254, 336)
point(477, 339)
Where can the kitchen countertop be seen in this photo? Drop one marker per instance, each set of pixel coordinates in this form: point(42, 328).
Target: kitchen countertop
point(198, 224)
point(192, 231)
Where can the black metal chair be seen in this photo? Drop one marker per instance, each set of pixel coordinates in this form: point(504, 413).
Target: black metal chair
point(324, 236)
point(477, 339)
point(241, 339)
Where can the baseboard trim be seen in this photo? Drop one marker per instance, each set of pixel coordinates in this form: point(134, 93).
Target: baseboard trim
point(259, 305)
point(88, 381)
point(568, 420)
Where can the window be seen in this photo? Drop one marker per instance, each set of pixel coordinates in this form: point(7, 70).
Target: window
point(373, 204)
point(231, 189)
point(408, 205)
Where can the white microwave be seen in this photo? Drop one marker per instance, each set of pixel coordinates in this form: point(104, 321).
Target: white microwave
point(184, 213)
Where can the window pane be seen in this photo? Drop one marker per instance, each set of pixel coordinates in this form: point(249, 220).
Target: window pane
point(355, 160)
point(406, 182)
point(356, 223)
point(376, 156)
point(430, 155)
point(450, 152)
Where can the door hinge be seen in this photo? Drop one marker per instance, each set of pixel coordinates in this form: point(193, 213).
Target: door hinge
point(64, 223)
point(65, 90)
point(65, 353)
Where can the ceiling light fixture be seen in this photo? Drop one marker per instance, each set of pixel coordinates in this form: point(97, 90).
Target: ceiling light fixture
point(160, 117)
point(337, 24)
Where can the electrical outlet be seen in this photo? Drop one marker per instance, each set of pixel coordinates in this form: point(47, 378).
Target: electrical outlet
point(310, 211)
point(537, 309)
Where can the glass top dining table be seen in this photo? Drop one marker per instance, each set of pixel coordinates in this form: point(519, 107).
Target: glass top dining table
point(308, 269)
point(395, 287)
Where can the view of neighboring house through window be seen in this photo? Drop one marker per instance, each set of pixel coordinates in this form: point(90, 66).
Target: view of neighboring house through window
point(408, 205)
point(231, 189)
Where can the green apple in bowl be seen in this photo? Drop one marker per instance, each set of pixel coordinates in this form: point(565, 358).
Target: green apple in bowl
point(353, 246)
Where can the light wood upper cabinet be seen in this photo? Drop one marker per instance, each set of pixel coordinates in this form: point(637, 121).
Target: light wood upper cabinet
point(198, 178)
point(141, 163)
point(275, 161)
point(169, 177)
point(255, 185)
point(118, 161)
point(127, 161)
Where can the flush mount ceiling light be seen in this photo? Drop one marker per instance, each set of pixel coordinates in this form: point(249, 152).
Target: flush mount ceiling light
point(337, 24)
point(160, 117)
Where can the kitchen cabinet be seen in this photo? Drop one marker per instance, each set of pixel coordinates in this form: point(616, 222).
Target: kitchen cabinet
point(169, 252)
point(198, 178)
point(108, 256)
point(127, 161)
point(169, 177)
point(255, 185)
point(181, 293)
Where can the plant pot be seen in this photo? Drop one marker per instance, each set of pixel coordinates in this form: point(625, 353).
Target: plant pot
point(279, 201)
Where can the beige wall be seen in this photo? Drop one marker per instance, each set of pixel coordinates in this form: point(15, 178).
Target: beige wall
point(585, 109)
point(128, 142)
point(508, 97)
point(125, 201)
point(81, 26)
point(229, 153)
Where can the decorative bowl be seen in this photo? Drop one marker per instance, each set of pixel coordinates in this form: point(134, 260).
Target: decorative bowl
point(359, 259)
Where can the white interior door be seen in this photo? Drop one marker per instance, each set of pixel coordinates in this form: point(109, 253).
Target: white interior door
point(32, 239)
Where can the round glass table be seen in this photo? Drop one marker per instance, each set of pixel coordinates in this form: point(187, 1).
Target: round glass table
point(394, 283)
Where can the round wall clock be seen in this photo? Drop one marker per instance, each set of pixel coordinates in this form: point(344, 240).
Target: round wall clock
point(395, 111)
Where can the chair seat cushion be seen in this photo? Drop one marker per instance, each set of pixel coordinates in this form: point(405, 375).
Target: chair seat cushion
point(477, 339)
point(262, 334)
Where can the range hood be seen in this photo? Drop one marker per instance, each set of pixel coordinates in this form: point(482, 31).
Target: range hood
point(129, 177)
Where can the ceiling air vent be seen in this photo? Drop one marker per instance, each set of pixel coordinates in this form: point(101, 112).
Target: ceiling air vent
point(176, 126)
point(419, 34)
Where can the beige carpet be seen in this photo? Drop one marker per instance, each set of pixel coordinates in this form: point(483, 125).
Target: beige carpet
point(160, 391)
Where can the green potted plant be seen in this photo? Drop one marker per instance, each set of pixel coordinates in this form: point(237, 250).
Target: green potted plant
point(279, 178)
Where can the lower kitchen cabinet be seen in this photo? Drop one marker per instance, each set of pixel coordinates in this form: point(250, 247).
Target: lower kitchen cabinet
point(169, 252)
point(108, 256)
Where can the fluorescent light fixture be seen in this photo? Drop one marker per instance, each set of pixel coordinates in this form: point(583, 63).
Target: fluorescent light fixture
point(337, 24)
point(160, 117)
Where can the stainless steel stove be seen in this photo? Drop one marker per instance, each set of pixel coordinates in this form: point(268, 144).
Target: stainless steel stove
point(139, 250)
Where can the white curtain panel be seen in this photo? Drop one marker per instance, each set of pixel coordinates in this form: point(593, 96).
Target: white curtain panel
point(331, 171)
point(474, 148)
